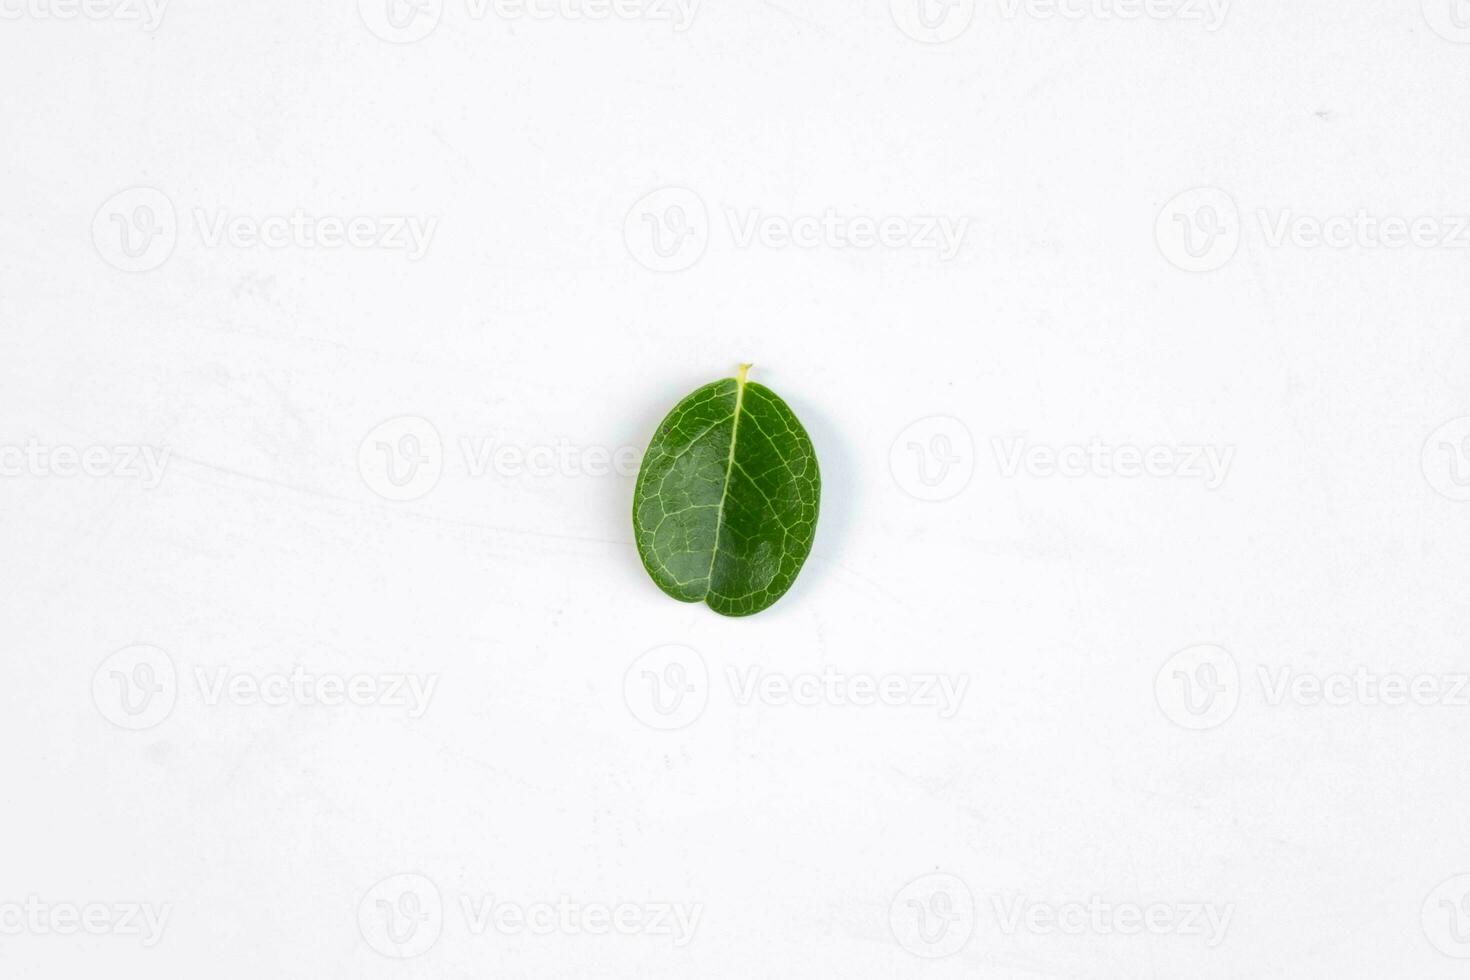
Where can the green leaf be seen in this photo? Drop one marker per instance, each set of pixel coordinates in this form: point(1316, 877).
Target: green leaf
point(726, 503)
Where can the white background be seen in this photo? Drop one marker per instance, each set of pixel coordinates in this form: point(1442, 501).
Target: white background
point(1073, 770)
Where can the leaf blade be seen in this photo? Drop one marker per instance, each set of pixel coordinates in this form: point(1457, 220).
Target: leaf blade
point(726, 501)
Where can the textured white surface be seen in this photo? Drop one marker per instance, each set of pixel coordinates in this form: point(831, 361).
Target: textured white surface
point(530, 306)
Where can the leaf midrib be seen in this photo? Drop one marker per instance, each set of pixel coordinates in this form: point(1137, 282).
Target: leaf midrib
point(709, 576)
